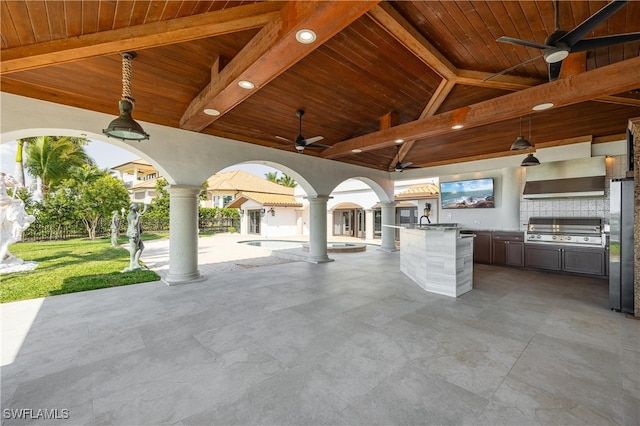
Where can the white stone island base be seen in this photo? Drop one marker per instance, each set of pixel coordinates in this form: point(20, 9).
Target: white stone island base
point(438, 259)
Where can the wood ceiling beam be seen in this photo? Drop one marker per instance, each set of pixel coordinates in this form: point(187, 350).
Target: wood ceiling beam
point(432, 107)
point(514, 83)
point(604, 81)
point(503, 82)
point(143, 36)
point(272, 52)
point(391, 21)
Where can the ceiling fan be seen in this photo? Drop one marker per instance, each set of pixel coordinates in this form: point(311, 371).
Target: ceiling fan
point(560, 43)
point(301, 143)
point(400, 166)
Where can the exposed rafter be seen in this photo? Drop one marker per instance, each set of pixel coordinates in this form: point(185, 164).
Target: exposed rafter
point(389, 19)
point(138, 37)
point(611, 79)
point(270, 53)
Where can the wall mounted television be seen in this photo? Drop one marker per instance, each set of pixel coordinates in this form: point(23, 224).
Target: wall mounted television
point(467, 194)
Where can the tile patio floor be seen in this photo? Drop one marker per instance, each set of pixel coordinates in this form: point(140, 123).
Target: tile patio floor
point(349, 342)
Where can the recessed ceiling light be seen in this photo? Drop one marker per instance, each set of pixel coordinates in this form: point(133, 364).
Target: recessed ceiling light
point(246, 84)
point(542, 107)
point(457, 127)
point(211, 111)
point(305, 36)
point(399, 140)
point(356, 151)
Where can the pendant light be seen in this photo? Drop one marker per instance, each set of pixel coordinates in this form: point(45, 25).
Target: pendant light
point(529, 160)
point(522, 143)
point(125, 127)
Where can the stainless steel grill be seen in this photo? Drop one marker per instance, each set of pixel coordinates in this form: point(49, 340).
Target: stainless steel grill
point(578, 231)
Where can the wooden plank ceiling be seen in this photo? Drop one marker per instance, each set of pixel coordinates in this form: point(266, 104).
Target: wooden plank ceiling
point(378, 71)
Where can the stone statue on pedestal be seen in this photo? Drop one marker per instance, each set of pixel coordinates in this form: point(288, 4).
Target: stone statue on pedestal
point(13, 221)
point(115, 227)
point(134, 232)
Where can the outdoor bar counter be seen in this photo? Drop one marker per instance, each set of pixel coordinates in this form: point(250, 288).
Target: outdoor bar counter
point(438, 258)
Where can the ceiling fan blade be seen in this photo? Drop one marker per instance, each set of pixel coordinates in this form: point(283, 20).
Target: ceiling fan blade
point(283, 139)
point(525, 43)
point(511, 68)
point(589, 24)
point(554, 70)
point(405, 165)
point(606, 41)
point(318, 145)
point(313, 140)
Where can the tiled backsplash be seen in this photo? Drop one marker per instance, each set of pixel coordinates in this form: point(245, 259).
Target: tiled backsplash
point(575, 206)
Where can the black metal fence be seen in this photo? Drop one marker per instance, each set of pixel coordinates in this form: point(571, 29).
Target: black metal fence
point(39, 231)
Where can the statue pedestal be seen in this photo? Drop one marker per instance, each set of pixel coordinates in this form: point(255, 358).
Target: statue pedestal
point(15, 264)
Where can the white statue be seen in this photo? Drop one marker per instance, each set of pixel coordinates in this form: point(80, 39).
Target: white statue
point(13, 221)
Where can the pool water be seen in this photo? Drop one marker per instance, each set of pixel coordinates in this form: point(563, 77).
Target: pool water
point(274, 244)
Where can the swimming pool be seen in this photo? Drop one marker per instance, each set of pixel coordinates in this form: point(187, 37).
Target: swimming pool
point(332, 247)
point(274, 244)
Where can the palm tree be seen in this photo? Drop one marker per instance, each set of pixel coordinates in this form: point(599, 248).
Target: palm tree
point(87, 173)
point(271, 177)
point(287, 181)
point(51, 158)
point(19, 170)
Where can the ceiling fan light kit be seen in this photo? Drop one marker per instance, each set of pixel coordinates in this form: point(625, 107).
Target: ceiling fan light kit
point(125, 127)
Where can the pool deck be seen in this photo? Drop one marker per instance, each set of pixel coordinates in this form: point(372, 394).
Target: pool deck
point(222, 253)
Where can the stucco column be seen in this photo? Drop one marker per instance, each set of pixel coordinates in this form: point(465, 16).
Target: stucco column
point(369, 225)
point(183, 235)
point(388, 233)
point(318, 229)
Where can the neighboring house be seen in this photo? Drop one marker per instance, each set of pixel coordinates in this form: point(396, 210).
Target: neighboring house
point(271, 210)
point(140, 179)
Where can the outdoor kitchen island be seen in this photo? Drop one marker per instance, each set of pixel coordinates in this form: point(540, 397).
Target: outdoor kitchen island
point(438, 258)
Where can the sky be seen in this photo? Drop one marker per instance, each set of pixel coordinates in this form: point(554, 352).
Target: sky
point(108, 156)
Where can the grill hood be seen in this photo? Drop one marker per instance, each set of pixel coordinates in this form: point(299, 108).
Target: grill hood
point(583, 177)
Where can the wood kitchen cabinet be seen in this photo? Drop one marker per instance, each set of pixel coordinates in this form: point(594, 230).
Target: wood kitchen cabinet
point(591, 261)
point(482, 247)
point(543, 257)
point(577, 260)
point(508, 248)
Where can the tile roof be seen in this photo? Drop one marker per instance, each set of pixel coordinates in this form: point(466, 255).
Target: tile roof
point(274, 200)
point(429, 190)
point(241, 181)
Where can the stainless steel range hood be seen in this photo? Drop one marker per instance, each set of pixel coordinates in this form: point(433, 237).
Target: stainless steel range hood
point(584, 177)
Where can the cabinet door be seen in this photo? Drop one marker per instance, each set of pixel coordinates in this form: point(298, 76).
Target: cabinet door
point(515, 253)
point(499, 249)
point(583, 261)
point(542, 257)
point(482, 247)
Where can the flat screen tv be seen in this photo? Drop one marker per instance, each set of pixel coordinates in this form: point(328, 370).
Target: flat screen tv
point(467, 194)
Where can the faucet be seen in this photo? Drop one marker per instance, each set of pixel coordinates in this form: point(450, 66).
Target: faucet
point(426, 211)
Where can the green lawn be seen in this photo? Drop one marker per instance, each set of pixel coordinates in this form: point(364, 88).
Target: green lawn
point(70, 266)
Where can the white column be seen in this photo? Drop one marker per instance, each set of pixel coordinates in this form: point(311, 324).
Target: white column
point(388, 233)
point(369, 225)
point(318, 229)
point(183, 235)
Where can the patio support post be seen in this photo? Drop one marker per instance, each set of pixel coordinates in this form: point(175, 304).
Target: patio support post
point(183, 235)
point(369, 225)
point(388, 233)
point(318, 229)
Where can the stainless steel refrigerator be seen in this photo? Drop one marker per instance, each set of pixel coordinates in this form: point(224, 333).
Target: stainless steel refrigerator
point(621, 246)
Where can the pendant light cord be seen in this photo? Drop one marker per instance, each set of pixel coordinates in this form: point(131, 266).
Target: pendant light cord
point(126, 78)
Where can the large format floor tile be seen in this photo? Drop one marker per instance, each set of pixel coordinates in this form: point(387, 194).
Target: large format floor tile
point(348, 342)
